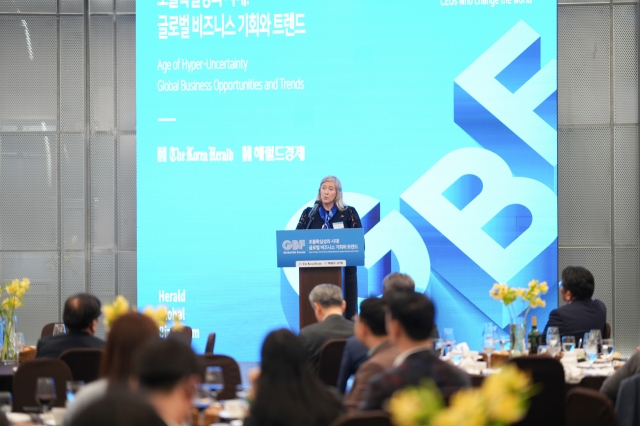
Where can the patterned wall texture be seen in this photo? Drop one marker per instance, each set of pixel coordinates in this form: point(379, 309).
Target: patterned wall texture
point(67, 152)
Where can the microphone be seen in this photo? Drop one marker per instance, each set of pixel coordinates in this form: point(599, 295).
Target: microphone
point(313, 212)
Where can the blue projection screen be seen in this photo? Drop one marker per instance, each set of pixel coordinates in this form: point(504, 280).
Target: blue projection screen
point(439, 118)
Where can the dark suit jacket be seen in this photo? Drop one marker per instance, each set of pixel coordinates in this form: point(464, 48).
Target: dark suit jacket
point(417, 367)
point(53, 346)
point(379, 361)
point(577, 317)
point(355, 353)
point(315, 335)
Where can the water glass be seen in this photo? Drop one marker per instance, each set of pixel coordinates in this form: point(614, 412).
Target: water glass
point(17, 340)
point(568, 343)
point(73, 386)
point(59, 329)
point(489, 339)
point(591, 351)
point(607, 349)
point(448, 338)
point(6, 402)
point(553, 341)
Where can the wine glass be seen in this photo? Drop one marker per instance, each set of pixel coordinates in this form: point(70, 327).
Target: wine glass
point(59, 329)
point(607, 349)
point(568, 343)
point(489, 337)
point(17, 341)
point(448, 338)
point(45, 393)
point(553, 341)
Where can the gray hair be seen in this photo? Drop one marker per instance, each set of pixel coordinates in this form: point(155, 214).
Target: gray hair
point(326, 295)
point(398, 281)
point(335, 181)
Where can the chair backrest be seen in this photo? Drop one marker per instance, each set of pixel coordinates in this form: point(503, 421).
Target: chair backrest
point(363, 418)
point(548, 405)
point(24, 382)
point(329, 361)
point(184, 334)
point(588, 407)
point(211, 342)
point(628, 401)
point(230, 371)
point(607, 331)
point(84, 363)
point(47, 330)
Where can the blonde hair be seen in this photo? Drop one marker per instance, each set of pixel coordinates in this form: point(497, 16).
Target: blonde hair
point(338, 201)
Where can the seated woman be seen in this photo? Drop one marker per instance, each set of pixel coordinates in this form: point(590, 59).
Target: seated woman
point(581, 313)
point(128, 333)
point(286, 391)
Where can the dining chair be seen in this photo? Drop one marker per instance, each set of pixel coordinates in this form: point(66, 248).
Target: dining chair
point(363, 418)
point(607, 331)
point(211, 342)
point(47, 330)
point(230, 372)
point(588, 407)
point(184, 334)
point(548, 405)
point(329, 361)
point(84, 363)
point(628, 401)
point(24, 382)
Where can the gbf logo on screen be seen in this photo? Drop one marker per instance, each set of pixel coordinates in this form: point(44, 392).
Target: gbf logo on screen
point(293, 244)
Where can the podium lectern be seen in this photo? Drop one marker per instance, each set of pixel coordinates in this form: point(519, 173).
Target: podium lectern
point(320, 255)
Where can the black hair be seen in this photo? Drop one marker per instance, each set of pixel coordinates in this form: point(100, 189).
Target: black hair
point(372, 314)
point(414, 311)
point(288, 393)
point(579, 281)
point(162, 363)
point(80, 310)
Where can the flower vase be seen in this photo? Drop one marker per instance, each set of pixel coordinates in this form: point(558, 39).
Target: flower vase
point(518, 337)
point(8, 353)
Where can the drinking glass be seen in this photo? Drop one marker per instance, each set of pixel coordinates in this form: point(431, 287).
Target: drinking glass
point(607, 349)
point(489, 338)
point(591, 351)
point(456, 355)
point(213, 381)
point(6, 402)
point(59, 329)
point(17, 340)
point(448, 338)
point(45, 393)
point(553, 341)
point(568, 343)
point(73, 386)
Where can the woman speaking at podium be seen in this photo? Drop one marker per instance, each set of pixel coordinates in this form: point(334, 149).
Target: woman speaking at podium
point(329, 212)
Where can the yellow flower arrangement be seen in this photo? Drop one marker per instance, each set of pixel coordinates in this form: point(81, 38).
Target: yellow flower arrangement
point(120, 306)
point(529, 295)
point(503, 399)
point(15, 289)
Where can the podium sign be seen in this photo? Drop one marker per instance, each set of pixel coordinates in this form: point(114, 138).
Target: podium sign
point(307, 248)
point(320, 254)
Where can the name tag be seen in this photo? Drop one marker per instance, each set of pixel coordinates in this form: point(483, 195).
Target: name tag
point(338, 225)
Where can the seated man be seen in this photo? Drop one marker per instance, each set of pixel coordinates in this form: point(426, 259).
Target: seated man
point(167, 372)
point(409, 321)
point(612, 384)
point(80, 316)
point(371, 332)
point(355, 352)
point(328, 307)
point(581, 313)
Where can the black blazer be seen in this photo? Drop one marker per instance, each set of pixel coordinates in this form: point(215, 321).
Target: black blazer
point(53, 346)
point(349, 218)
point(578, 317)
point(315, 335)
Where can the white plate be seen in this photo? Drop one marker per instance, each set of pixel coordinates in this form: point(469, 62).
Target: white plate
point(18, 418)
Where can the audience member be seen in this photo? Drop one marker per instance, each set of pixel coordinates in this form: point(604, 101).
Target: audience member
point(355, 353)
point(167, 372)
point(370, 331)
point(612, 383)
point(286, 392)
point(409, 321)
point(80, 316)
point(118, 407)
point(328, 306)
point(128, 333)
point(581, 313)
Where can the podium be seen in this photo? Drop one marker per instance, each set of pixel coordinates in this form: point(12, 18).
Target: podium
point(320, 255)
